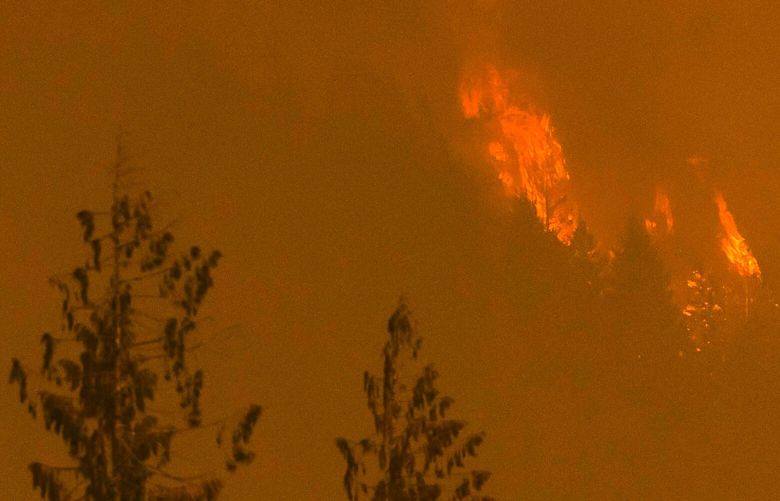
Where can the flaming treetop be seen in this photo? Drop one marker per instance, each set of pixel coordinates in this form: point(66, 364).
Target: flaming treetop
point(525, 150)
point(733, 244)
point(662, 215)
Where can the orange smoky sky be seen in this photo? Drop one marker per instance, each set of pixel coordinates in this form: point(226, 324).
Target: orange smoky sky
point(321, 146)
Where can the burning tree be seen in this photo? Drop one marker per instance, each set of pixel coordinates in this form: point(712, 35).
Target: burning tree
point(418, 449)
point(733, 244)
point(662, 220)
point(524, 147)
point(95, 396)
point(704, 313)
point(737, 251)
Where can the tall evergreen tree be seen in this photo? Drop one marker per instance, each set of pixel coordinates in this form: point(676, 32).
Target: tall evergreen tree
point(104, 366)
point(642, 309)
point(419, 451)
point(641, 379)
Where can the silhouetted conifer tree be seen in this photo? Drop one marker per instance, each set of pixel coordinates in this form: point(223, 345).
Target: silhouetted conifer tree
point(642, 308)
point(95, 396)
point(419, 450)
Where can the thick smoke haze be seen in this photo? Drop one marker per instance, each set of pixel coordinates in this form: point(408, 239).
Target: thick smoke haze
point(322, 148)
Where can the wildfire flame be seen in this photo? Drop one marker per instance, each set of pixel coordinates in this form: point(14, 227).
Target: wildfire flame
point(525, 151)
point(662, 214)
point(733, 244)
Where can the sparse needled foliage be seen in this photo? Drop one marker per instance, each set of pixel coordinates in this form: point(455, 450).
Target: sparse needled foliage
point(128, 314)
point(419, 450)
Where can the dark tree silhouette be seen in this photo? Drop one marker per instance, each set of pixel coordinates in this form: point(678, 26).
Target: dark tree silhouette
point(647, 320)
point(419, 450)
point(115, 347)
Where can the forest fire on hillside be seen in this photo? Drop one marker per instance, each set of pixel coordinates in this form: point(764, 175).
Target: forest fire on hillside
point(525, 150)
point(733, 244)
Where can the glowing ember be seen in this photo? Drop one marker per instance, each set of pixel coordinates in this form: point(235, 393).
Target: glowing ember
point(525, 150)
point(662, 215)
point(734, 244)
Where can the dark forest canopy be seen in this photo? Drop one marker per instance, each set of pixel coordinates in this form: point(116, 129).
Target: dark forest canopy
point(629, 392)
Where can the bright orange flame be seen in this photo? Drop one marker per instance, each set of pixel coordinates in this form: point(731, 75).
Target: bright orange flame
point(528, 156)
point(663, 207)
point(734, 244)
point(662, 213)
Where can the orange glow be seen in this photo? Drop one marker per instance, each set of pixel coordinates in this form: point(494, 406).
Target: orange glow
point(662, 215)
point(524, 148)
point(498, 152)
point(470, 99)
point(733, 244)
